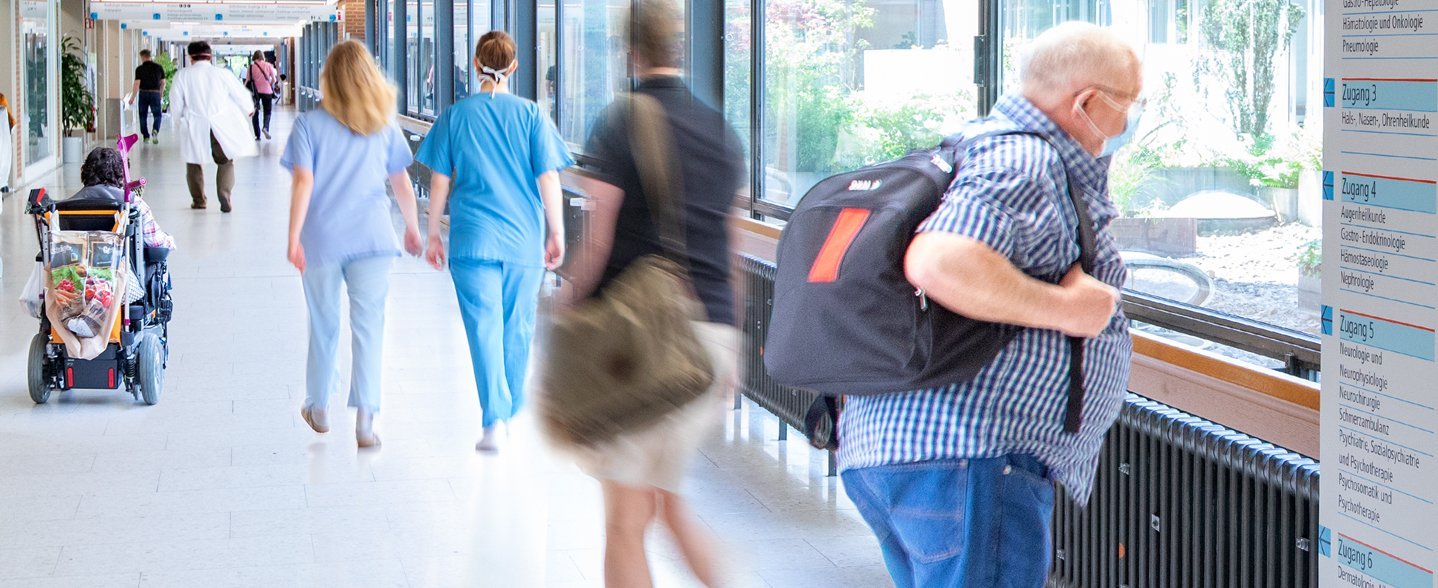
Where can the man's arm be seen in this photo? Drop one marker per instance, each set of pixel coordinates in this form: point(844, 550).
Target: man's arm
point(970, 278)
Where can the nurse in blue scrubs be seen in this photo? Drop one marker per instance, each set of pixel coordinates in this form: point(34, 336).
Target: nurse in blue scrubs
point(501, 157)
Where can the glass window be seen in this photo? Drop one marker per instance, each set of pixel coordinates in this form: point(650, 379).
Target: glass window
point(471, 20)
point(1219, 192)
point(549, 84)
point(35, 24)
point(414, 75)
point(391, 60)
point(427, 63)
point(739, 71)
point(595, 63)
point(849, 83)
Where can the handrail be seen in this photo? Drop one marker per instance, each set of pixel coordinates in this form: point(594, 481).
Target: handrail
point(1299, 352)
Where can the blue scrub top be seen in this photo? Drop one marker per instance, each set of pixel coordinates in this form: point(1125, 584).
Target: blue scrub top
point(494, 148)
point(349, 214)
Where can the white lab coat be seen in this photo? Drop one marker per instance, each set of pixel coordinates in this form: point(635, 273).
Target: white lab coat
point(206, 99)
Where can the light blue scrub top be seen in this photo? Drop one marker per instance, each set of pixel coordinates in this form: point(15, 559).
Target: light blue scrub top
point(494, 148)
point(349, 214)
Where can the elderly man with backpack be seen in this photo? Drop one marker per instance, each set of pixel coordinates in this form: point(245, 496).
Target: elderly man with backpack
point(1013, 363)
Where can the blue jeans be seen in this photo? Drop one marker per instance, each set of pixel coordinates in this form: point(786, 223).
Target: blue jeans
point(367, 280)
point(973, 523)
point(498, 301)
point(149, 103)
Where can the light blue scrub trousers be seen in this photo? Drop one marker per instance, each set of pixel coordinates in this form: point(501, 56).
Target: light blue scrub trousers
point(367, 279)
point(497, 301)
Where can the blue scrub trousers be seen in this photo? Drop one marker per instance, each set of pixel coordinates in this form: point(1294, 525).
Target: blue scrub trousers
point(367, 280)
point(498, 301)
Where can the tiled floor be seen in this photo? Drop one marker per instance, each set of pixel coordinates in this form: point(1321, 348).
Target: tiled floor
point(222, 484)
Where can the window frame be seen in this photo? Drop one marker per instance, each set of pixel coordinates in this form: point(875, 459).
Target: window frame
point(1298, 352)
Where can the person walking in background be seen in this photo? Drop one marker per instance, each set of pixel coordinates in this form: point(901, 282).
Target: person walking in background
point(641, 470)
point(149, 90)
point(500, 156)
point(262, 82)
point(210, 106)
point(957, 482)
point(340, 229)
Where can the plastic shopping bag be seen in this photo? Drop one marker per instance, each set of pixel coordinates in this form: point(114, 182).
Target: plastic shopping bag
point(33, 295)
point(86, 280)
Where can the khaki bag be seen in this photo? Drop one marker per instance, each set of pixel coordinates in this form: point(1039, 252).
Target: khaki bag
point(629, 357)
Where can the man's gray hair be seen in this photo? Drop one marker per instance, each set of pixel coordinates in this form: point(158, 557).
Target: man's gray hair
point(1071, 56)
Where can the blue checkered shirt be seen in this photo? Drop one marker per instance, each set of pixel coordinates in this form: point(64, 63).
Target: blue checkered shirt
point(1011, 194)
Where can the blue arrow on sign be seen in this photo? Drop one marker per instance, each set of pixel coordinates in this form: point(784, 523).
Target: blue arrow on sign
point(1325, 542)
point(123, 26)
point(155, 16)
point(1327, 320)
point(1329, 93)
point(1328, 185)
point(94, 16)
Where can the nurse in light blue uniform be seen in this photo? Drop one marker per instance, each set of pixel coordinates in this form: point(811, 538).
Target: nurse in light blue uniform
point(501, 156)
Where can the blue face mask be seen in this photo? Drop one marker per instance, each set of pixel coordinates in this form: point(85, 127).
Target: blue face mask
point(1112, 144)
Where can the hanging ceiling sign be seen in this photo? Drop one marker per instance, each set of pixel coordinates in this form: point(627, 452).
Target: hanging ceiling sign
point(212, 31)
point(156, 14)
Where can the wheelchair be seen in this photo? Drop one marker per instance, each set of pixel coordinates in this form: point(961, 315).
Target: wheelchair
point(136, 348)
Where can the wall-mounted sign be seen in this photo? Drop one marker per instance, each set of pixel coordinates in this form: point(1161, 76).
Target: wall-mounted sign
point(1380, 295)
point(147, 14)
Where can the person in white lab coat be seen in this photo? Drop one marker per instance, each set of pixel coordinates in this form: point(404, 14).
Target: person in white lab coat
point(212, 110)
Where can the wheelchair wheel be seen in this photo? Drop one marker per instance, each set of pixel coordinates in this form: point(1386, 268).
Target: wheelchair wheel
point(151, 368)
point(39, 380)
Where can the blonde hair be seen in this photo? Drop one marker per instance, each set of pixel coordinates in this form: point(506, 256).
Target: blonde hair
point(354, 90)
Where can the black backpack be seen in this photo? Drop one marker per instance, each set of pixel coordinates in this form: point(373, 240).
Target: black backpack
point(846, 321)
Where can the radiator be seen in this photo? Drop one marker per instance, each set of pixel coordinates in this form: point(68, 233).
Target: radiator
point(1179, 501)
point(789, 404)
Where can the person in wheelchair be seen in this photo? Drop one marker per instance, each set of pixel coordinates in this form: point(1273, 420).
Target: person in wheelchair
point(103, 174)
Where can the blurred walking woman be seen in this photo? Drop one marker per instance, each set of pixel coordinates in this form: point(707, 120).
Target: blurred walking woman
point(500, 156)
point(341, 229)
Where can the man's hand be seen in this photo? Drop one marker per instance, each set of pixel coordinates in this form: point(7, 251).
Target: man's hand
point(1089, 304)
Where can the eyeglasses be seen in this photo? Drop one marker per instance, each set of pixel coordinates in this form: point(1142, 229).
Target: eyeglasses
point(1133, 100)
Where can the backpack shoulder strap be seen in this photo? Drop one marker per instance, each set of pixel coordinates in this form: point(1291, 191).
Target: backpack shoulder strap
point(1087, 241)
point(652, 142)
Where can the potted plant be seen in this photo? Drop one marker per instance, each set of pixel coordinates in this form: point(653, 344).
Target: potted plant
point(1310, 177)
point(1277, 181)
point(1141, 224)
point(168, 64)
point(1310, 275)
point(77, 108)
